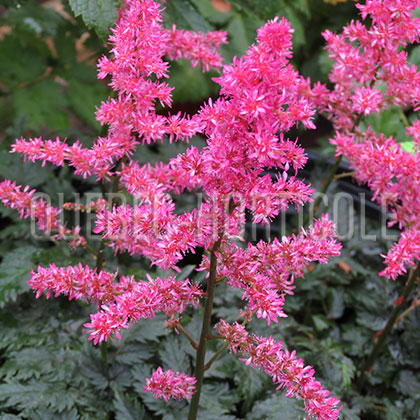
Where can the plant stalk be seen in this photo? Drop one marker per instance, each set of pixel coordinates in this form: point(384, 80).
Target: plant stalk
point(328, 181)
point(367, 365)
point(181, 328)
point(205, 329)
point(324, 189)
point(216, 355)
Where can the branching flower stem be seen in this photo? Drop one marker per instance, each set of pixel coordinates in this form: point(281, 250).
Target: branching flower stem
point(188, 335)
point(325, 186)
point(205, 329)
point(219, 351)
point(367, 366)
point(331, 175)
point(344, 175)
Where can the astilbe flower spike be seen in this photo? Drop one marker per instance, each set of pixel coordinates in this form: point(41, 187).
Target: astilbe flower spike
point(286, 370)
point(170, 384)
point(29, 205)
point(266, 272)
point(139, 43)
point(123, 302)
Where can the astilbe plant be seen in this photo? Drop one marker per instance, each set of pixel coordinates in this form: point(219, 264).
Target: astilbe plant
point(370, 73)
point(261, 97)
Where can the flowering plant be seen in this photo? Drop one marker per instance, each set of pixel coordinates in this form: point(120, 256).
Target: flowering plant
point(261, 98)
point(260, 95)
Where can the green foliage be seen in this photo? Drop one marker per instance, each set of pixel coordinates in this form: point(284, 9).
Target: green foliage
point(24, 173)
point(97, 14)
point(388, 122)
point(126, 408)
point(185, 15)
point(84, 98)
point(14, 270)
point(277, 406)
point(54, 94)
point(50, 102)
point(14, 68)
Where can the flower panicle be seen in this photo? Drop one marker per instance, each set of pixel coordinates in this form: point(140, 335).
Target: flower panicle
point(286, 370)
point(168, 384)
point(29, 204)
point(371, 72)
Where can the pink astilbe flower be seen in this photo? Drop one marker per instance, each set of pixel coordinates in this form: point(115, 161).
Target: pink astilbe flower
point(198, 48)
point(366, 100)
point(76, 282)
point(371, 72)
point(403, 253)
point(141, 300)
point(367, 58)
point(266, 272)
point(168, 384)
point(393, 176)
point(123, 302)
point(93, 206)
point(25, 201)
point(286, 370)
point(139, 43)
point(97, 161)
point(260, 94)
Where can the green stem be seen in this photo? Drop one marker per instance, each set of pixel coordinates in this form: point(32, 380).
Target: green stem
point(219, 351)
point(344, 175)
point(367, 366)
point(100, 256)
point(181, 328)
point(404, 118)
point(325, 186)
point(92, 250)
point(215, 336)
point(205, 329)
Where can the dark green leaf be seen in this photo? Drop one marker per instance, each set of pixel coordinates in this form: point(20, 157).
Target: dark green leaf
point(388, 122)
point(183, 14)
point(127, 408)
point(43, 104)
point(84, 98)
point(393, 413)
point(14, 68)
point(24, 173)
point(409, 383)
point(250, 383)
point(277, 407)
point(97, 14)
point(14, 273)
point(217, 400)
point(321, 322)
point(32, 18)
point(414, 56)
point(335, 298)
point(295, 21)
point(173, 354)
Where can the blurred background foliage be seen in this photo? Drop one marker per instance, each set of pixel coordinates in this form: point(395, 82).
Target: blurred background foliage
point(48, 369)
